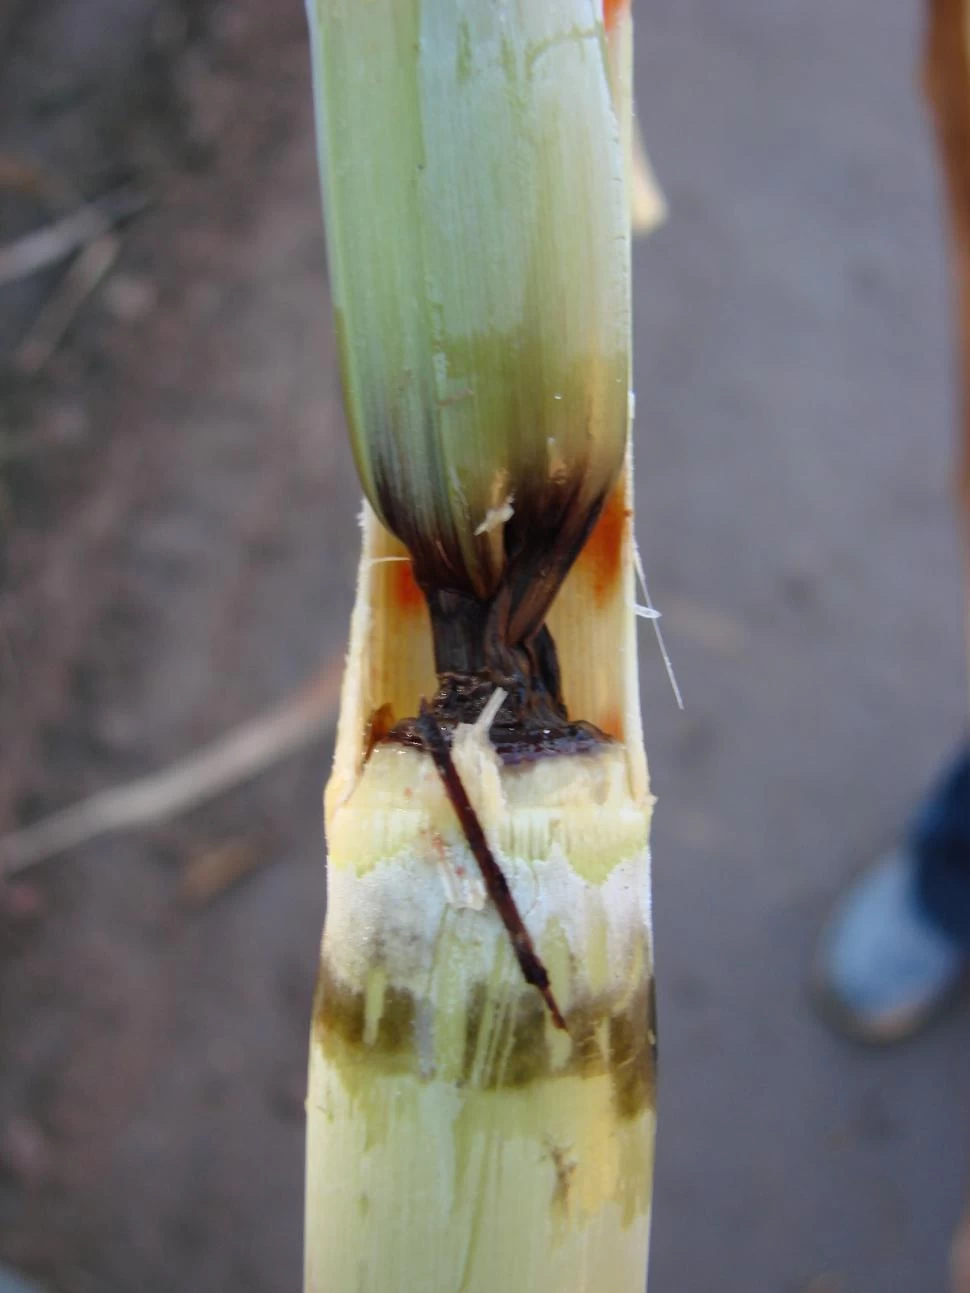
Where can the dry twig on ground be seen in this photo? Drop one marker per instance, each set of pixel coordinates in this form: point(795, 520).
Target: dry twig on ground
point(242, 754)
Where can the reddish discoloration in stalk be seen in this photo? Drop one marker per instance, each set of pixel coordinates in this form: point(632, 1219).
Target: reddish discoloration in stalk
point(408, 597)
point(379, 723)
point(612, 724)
point(612, 10)
point(601, 557)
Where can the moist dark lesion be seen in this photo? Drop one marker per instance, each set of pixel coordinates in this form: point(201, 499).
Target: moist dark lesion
point(527, 1057)
point(564, 1166)
point(340, 1013)
point(632, 1059)
point(587, 1056)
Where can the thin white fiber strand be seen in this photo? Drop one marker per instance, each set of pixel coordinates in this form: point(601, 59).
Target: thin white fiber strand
point(651, 613)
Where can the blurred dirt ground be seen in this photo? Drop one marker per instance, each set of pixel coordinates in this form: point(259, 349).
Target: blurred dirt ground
point(178, 542)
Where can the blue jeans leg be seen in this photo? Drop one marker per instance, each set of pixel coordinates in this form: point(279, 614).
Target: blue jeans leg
point(939, 839)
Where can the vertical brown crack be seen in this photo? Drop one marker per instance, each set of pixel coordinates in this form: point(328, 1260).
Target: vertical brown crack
point(533, 970)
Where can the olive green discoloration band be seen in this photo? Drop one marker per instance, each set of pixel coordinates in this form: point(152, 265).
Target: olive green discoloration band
point(619, 1042)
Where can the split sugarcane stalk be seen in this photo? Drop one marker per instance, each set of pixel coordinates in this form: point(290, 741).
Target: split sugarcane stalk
point(480, 1114)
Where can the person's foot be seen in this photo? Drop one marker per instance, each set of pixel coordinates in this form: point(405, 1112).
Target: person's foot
point(11, 1282)
point(883, 966)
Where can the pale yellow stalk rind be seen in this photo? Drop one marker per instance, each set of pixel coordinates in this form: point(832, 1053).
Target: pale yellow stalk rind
point(401, 802)
point(456, 1139)
point(452, 1191)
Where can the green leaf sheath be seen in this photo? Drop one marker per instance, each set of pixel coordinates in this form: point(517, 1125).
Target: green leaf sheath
point(478, 245)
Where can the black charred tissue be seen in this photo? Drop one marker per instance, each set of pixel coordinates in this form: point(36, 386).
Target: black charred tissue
point(473, 657)
point(483, 641)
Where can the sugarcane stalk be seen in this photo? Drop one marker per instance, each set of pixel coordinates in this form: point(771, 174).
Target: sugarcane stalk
point(480, 1113)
